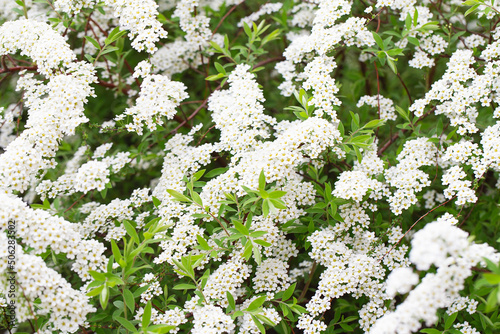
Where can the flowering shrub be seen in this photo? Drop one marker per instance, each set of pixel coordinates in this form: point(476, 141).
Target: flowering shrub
point(228, 166)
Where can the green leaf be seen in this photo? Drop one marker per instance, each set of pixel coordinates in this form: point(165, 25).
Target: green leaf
point(197, 198)
point(97, 276)
point(125, 323)
point(129, 300)
point(156, 202)
point(116, 251)
point(93, 42)
point(403, 113)
point(414, 40)
point(241, 228)
point(450, 320)
point(256, 255)
point(160, 329)
point(183, 286)
point(265, 208)
point(131, 231)
point(220, 68)
point(262, 242)
point(215, 172)
point(216, 46)
point(96, 291)
point(178, 196)
point(392, 65)
point(259, 325)
point(146, 317)
point(257, 234)
point(256, 303)
point(203, 243)
point(104, 297)
point(262, 180)
point(288, 292)
point(230, 300)
point(430, 331)
point(492, 278)
point(247, 252)
point(214, 77)
point(374, 123)
point(109, 49)
point(277, 194)
point(378, 40)
point(471, 10)
point(247, 29)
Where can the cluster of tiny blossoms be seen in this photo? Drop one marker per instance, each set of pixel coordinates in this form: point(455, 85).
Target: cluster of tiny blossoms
point(445, 246)
point(158, 98)
point(139, 17)
point(356, 261)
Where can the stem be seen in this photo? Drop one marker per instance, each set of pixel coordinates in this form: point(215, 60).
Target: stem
point(306, 287)
point(412, 226)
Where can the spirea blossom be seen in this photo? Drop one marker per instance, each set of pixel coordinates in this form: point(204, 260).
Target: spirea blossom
point(158, 98)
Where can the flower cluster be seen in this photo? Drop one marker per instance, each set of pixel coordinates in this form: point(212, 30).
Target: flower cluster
point(158, 98)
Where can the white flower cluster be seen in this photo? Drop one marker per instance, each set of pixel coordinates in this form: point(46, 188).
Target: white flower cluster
point(271, 276)
point(353, 266)
point(38, 41)
point(55, 108)
point(102, 217)
point(73, 6)
point(158, 98)
point(445, 246)
point(92, 175)
point(7, 126)
point(139, 16)
point(154, 288)
point(326, 34)
point(453, 178)
point(384, 106)
point(461, 303)
point(211, 319)
point(355, 185)
point(267, 8)
point(228, 277)
point(67, 309)
point(457, 101)
point(193, 23)
point(238, 112)
point(41, 230)
point(406, 176)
